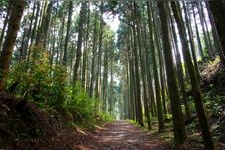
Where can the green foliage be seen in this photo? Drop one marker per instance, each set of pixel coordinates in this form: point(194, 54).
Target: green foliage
point(38, 80)
point(212, 64)
point(79, 103)
point(58, 86)
point(3, 4)
point(47, 86)
point(105, 116)
point(167, 136)
point(167, 117)
point(133, 122)
point(83, 108)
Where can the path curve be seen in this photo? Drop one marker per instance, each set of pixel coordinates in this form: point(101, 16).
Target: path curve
point(122, 135)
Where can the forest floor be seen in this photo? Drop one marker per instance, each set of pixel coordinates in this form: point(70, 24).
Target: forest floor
point(123, 135)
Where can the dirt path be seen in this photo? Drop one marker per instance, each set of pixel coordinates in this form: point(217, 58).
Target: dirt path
point(122, 135)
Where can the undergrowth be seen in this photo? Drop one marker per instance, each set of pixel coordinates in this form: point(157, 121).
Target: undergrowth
point(38, 82)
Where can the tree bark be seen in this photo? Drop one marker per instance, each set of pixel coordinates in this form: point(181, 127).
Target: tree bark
point(94, 45)
point(156, 76)
point(4, 26)
point(136, 69)
point(10, 39)
point(178, 122)
point(80, 38)
point(180, 72)
point(68, 32)
point(194, 81)
point(41, 38)
point(218, 10)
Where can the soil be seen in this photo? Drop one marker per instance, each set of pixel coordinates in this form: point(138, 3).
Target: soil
point(122, 135)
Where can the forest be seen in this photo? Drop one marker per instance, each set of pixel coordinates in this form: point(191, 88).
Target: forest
point(108, 75)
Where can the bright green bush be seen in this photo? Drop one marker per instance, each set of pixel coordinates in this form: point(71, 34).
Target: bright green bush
point(105, 116)
point(47, 86)
point(79, 103)
point(38, 80)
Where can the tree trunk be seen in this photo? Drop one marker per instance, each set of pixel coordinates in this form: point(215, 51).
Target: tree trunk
point(10, 39)
point(191, 39)
point(180, 72)
point(105, 79)
point(29, 34)
point(34, 30)
point(95, 35)
point(202, 14)
point(216, 42)
point(4, 26)
point(136, 70)
point(80, 37)
point(86, 50)
point(141, 39)
point(194, 81)
point(156, 75)
point(218, 10)
point(68, 32)
point(98, 73)
point(207, 44)
point(178, 122)
point(41, 38)
point(200, 49)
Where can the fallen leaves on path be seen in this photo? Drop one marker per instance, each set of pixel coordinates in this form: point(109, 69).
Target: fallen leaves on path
point(122, 135)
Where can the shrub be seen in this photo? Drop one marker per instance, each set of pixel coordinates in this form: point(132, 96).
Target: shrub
point(79, 103)
point(38, 80)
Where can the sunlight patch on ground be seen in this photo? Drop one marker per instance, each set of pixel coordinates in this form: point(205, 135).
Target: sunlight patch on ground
point(100, 128)
point(81, 131)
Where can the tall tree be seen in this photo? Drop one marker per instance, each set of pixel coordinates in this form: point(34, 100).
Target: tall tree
point(191, 39)
point(100, 38)
point(10, 39)
point(4, 26)
point(86, 49)
point(34, 30)
point(200, 49)
point(41, 38)
point(142, 44)
point(194, 80)
point(136, 66)
point(216, 42)
point(156, 76)
point(178, 122)
point(205, 29)
point(69, 20)
point(82, 18)
point(218, 10)
point(94, 47)
point(180, 70)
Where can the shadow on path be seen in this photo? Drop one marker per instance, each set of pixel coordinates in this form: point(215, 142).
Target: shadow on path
point(122, 135)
